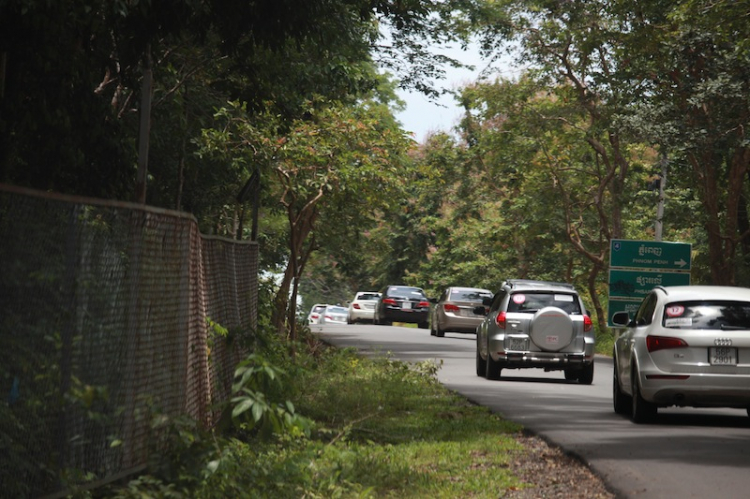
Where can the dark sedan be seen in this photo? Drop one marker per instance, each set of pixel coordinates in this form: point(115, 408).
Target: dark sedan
point(405, 304)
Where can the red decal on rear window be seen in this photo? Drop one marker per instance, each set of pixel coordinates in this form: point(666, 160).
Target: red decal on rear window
point(675, 311)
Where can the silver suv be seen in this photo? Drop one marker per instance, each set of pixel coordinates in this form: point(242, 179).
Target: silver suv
point(536, 324)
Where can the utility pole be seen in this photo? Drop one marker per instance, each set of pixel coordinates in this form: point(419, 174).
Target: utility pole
point(658, 226)
point(145, 129)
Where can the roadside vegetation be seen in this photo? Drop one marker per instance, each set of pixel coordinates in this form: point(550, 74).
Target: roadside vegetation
point(330, 423)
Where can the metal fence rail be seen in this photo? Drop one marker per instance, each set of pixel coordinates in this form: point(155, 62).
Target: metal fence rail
point(103, 326)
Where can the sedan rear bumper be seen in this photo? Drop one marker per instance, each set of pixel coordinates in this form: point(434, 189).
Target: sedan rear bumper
point(361, 315)
point(407, 316)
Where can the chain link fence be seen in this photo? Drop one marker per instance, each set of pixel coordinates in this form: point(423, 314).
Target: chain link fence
point(106, 313)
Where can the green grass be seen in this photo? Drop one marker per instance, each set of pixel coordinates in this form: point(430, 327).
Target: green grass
point(378, 428)
point(407, 435)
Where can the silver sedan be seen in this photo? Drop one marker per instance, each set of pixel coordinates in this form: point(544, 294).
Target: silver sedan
point(455, 310)
point(686, 346)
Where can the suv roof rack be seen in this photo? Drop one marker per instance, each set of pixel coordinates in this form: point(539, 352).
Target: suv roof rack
point(531, 282)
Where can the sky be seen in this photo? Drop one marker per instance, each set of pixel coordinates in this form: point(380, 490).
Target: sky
point(423, 117)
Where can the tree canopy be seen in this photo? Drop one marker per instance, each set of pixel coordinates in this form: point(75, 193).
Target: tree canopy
point(543, 171)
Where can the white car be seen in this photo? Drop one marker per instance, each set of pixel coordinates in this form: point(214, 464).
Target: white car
point(316, 313)
point(686, 346)
point(362, 307)
point(333, 314)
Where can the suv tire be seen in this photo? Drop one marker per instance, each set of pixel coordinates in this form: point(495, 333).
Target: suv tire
point(586, 375)
point(481, 365)
point(620, 401)
point(551, 329)
point(493, 368)
point(641, 410)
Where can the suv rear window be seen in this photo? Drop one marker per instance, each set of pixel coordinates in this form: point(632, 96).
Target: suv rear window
point(534, 301)
point(715, 315)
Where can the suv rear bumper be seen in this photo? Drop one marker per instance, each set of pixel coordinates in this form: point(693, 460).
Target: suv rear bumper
point(546, 360)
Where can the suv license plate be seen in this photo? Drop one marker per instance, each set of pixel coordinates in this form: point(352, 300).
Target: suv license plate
point(722, 356)
point(518, 344)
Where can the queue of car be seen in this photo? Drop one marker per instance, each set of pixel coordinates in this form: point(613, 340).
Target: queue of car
point(686, 346)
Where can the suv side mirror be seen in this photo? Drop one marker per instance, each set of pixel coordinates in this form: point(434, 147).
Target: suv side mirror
point(621, 319)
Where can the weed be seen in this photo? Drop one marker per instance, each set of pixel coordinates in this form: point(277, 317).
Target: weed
point(377, 428)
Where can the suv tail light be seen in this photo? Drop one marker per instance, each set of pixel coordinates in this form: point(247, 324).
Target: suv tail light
point(355, 305)
point(587, 324)
point(501, 320)
point(449, 307)
point(655, 343)
point(389, 301)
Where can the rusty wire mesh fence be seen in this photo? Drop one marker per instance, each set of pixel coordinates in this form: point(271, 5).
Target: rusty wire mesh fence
point(104, 325)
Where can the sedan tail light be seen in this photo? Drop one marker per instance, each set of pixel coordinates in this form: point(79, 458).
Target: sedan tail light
point(389, 301)
point(423, 304)
point(587, 324)
point(655, 343)
point(501, 320)
point(449, 307)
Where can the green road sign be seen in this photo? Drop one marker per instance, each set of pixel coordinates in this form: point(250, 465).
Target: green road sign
point(631, 307)
point(635, 284)
point(652, 255)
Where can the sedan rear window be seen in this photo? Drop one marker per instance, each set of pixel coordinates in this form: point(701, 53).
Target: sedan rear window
point(467, 295)
point(406, 292)
point(368, 296)
point(715, 315)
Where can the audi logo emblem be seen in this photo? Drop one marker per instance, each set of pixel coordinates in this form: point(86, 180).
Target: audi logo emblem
point(723, 342)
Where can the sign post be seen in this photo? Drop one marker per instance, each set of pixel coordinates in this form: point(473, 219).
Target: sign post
point(637, 266)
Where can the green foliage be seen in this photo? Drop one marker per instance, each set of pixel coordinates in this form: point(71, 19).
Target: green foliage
point(382, 428)
point(253, 406)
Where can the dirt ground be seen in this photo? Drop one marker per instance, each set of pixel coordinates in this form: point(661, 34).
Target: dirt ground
point(551, 473)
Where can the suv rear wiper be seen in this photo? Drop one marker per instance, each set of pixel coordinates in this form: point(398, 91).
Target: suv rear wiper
point(728, 327)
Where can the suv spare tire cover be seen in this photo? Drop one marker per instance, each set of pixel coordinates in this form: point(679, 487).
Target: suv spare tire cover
point(551, 329)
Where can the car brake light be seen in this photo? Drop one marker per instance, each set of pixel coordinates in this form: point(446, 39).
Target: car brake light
point(587, 324)
point(423, 304)
point(449, 307)
point(355, 305)
point(389, 301)
point(500, 320)
point(654, 343)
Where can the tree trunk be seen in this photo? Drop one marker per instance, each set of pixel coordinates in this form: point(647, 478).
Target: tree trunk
point(722, 238)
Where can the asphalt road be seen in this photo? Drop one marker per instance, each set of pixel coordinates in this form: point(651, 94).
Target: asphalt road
point(685, 453)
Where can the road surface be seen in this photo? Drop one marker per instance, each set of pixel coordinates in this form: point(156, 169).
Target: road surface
point(685, 453)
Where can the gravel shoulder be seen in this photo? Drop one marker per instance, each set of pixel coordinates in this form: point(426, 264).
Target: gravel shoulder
point(551, 473)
